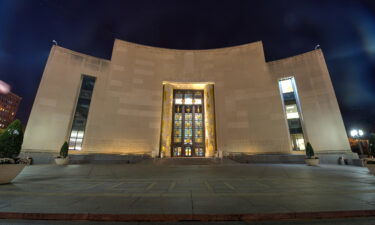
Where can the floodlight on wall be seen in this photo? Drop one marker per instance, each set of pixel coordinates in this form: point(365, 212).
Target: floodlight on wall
point(317, 46)
point(357, 134)
point(354, 133)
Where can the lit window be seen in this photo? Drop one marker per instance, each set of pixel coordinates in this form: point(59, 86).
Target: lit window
point(291, 111)
point(301, 143)
point(290, 101)
point(177, 151)
point(81, 113)
point(178, 99)
point(80, 134)
point(298, 142)
point(286, 85)
point(188, 98)
point(73, 134)
point(198, 101)
point(188, 151)
point(188, 101)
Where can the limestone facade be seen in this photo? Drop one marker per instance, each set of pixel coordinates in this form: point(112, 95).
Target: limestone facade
point(127, 113)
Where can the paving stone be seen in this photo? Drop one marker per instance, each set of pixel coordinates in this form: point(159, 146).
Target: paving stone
point(164, 189)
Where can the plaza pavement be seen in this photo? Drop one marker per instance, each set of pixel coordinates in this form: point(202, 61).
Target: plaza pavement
point(346, 221)
point(219, 189)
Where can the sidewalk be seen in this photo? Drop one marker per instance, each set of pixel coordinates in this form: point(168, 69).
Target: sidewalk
point(228, 189)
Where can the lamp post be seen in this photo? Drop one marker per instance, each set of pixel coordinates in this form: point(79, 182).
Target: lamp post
point(357, 134)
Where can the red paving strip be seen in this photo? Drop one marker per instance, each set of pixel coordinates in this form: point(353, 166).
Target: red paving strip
point(187, 217)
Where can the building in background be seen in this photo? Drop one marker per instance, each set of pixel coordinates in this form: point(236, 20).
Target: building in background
point(186, 103)
point(9, 104)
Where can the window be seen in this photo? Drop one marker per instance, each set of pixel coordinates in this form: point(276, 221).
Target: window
point(177, 151)
point(188, 125)
point(188, 98)
point(178, 124)
point(81, 113)
point(199, 152)
point(178, 98)
point(187, 151)
point(198, 98)
point(289, 96)
point(291, 111)
point(286, 86)
point(298, 141)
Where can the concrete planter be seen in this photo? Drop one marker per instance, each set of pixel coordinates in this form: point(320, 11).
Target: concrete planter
point(370, 167)
point(62, 161)
point(312, 162)
point(9, 171)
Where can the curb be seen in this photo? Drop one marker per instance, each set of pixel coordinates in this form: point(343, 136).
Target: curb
point(187, 217)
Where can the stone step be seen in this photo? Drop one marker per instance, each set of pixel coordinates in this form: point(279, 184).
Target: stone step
point(269, 158)
point(187, 161)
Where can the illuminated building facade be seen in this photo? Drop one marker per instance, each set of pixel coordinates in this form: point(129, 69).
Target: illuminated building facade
point(186, 103)
point(9, 104)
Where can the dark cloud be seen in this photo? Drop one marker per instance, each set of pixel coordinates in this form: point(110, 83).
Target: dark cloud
point(344, 28)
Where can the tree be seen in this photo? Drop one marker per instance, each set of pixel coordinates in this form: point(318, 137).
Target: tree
point(372, 144)
point(309, 151)
point(11, 140)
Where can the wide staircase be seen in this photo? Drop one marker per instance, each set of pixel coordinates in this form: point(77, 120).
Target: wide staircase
point(192, 161)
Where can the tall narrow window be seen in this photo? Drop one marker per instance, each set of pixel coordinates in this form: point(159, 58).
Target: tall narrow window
point(81, 112)
point(292, 110)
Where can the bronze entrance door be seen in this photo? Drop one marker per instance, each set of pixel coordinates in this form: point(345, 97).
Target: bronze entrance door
point(188, 124)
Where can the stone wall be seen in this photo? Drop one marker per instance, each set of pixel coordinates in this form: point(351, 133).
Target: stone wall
point(324, 126)
point(126, 108)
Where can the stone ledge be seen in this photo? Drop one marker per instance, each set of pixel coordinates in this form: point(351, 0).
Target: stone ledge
point(268, 158)
point(325, 158)
point(48, 158)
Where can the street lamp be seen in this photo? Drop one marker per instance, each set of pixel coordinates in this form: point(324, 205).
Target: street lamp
point(357, 134)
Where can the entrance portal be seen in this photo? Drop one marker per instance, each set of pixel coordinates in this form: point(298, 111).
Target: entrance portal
point(188, 124)
point(188, 120)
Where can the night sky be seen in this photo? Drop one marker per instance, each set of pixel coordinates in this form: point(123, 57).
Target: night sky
point(345, 31)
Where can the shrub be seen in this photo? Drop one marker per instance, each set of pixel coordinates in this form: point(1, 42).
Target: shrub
point(11, 140)
point(309, 151)
point(64, 150)
point(372, 144)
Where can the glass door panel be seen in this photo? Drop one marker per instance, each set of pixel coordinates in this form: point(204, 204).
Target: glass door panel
point(188, 124)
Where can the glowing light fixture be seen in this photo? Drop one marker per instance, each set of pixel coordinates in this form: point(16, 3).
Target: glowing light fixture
point(355, 133)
